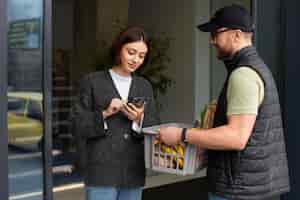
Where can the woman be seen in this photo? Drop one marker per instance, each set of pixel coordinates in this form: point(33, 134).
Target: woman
point(107, 127)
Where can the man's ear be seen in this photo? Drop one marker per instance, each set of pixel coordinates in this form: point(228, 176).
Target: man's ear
point(238, 35)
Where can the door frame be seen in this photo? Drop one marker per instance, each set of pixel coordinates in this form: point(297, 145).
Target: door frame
point(3, 101)
point(253, 11)
point(47, 96)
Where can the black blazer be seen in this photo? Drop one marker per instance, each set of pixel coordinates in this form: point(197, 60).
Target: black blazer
point(113, 157)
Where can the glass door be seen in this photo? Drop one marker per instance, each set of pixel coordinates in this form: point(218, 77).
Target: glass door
point(25, 98)
point(25, 65)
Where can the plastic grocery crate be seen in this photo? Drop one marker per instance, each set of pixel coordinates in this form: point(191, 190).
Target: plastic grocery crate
point(181, 159)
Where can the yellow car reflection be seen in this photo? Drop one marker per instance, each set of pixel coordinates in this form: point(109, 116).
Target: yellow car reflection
point(24, 116)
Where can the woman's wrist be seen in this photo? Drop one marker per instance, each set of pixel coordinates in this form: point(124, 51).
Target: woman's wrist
point(140, 118)
point(105, 114)
point(137, 120)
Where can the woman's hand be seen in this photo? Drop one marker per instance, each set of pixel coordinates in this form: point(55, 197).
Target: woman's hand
point(114, 107)
point(132, 112)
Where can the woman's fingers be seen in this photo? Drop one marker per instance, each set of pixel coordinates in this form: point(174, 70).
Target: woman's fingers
point(130, 112)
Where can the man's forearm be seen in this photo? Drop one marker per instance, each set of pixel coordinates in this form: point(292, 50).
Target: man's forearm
point(220, 138)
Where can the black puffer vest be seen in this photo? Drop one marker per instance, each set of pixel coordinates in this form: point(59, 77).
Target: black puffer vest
point(260, 170)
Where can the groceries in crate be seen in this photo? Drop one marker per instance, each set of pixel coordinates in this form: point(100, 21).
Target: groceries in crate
point(168, 156)
point(180, 159)
point(207, 115)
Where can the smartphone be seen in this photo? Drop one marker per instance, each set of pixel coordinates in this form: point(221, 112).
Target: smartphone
point(137, 101)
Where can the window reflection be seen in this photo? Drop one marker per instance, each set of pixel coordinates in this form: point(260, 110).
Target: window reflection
point(25, 99)
point(16, 106)
point(25, 126)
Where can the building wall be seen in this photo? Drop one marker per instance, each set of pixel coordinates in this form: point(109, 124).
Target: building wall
point(291, 95)
point(80, 27)
point(64, 24)
point(270, 38)
point(189, 52)
point(202, 55)
point(108, 13)
point(84, 38)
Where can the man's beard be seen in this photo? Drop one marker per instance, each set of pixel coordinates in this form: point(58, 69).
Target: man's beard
point(222, 55)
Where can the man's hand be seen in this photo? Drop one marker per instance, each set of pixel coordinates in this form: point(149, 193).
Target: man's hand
point(114, 107)
point(132, 112)
point(170, 135)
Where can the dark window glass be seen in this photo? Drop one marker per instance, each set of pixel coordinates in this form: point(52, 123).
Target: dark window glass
point(34, 110)
point(16, 106)
point(25, 127)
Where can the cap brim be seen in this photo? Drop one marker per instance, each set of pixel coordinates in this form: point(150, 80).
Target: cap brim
point(208, 27)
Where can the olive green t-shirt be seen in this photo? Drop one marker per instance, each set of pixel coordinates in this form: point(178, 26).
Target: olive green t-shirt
point(245, 92)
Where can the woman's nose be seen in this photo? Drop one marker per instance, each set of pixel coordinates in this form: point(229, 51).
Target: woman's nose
point(135, 59)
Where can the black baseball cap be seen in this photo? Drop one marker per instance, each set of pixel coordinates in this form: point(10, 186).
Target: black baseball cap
point(232, 17)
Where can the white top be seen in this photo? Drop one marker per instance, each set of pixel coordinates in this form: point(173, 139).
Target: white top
point(122, 83)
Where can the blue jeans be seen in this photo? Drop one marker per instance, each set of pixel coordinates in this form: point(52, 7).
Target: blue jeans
point(113, 193)
point(214, 197)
